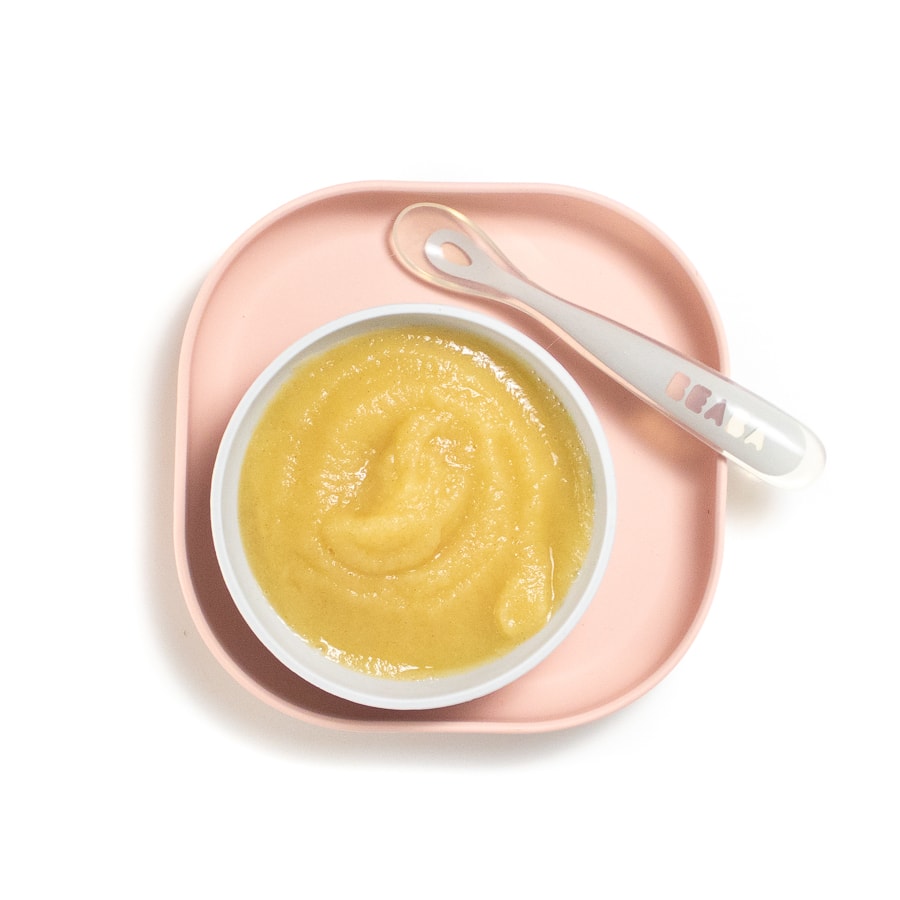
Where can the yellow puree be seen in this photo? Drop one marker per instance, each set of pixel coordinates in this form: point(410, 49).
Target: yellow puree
point(415, 502)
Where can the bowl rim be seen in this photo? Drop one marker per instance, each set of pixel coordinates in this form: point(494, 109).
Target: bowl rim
point(310, 663)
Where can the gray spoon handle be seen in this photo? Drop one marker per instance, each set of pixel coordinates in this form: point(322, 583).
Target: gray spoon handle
point(739, 424)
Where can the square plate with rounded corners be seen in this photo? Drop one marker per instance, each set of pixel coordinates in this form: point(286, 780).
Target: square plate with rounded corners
point(326, 255)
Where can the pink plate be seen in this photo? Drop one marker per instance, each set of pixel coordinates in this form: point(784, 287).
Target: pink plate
point(326, 255)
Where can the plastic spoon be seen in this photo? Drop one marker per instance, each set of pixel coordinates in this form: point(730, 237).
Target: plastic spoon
point(441, 245)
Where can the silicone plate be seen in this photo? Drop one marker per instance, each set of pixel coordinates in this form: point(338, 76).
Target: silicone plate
point(326, 255)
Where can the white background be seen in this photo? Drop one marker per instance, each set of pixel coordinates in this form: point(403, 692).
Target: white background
point(140, 141)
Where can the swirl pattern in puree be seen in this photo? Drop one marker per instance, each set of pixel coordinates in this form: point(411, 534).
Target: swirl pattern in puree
point(415, 502)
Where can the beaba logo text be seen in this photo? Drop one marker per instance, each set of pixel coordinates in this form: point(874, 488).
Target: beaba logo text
point(697, 396)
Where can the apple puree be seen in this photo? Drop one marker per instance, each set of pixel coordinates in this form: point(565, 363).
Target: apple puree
point(415, 502)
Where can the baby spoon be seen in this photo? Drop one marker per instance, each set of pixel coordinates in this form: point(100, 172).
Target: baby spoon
point(441, 245)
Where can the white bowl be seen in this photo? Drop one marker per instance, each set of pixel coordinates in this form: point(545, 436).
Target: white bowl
point(308, 662)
